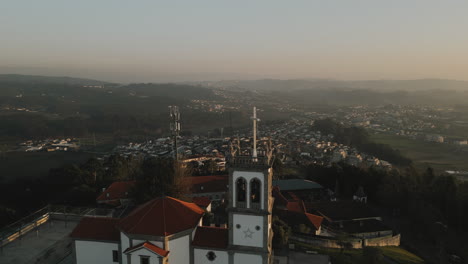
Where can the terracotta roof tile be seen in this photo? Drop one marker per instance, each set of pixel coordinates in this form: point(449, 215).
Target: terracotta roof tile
point(280, 200)
point(162, 217)
point(96, 228)
point(296, 206)
point(201, 201)
point(117, 190)
point(151, 247)
point(209, 184)
point(211, 237)
point(298, 218)
point(315, 220)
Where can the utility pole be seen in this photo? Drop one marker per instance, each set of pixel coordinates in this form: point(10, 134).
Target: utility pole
point(175, 127)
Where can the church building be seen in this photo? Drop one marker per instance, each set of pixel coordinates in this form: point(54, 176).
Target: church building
point(167, 230)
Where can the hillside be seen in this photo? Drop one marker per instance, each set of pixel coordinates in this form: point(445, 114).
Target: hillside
point(36, 79)
point(377, 85)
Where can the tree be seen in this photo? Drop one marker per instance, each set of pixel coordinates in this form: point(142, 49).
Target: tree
point(160, 177)
point(281, 233)
point(180, 188)
point(209, 166)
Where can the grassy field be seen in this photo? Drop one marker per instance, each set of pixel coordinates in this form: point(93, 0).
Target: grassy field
point(400, 255)
point(354, 256)
point(436, 155)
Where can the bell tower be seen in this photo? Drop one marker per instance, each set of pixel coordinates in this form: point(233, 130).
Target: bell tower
point(250, 207)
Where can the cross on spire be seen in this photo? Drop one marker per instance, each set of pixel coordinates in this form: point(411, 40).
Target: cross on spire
point(255, 120)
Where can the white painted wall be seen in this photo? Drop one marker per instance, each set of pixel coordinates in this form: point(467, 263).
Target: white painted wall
point(248, 175)
point(248, 222)
point(135, 255)
point(247, 258)
point(199, 255)
point(89, 252)
point(179, 250)
point(125, 242)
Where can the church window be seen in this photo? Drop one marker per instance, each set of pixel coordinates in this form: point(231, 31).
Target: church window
point(255, 191)
point(241, 188)
point(211, 256)
point(115, 256)
point(144, 260)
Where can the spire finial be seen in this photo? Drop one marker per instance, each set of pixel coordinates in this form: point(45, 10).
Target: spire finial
point(254, 119)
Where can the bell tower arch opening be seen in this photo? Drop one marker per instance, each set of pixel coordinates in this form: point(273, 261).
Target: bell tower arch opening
point(241, 192)
point(255, 193)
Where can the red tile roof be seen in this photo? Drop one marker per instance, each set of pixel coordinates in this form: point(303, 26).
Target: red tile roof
point(201, 201)
point(162, 217)
point(209, 184)
point(296, 206)
point(315, 220)
point(280, 200)
point(151, 247)
point(211, 237)
point(96, 228)
point(298, 218)
point(117, 190)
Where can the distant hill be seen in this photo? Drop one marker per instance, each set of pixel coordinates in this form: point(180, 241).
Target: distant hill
point(36, 79)
point(380, 85)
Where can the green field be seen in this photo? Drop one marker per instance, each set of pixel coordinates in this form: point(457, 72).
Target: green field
point(355, 256)
point(439, 156)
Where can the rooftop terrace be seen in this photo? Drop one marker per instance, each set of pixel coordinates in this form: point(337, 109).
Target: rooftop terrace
point(50, 243)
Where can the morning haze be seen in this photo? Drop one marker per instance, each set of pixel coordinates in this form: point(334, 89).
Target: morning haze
point(234, 132)
point(164, 41)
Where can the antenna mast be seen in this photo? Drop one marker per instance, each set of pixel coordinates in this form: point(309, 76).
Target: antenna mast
point(175, 127)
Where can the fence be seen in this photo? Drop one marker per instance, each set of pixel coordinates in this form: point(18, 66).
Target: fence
point(33, 221)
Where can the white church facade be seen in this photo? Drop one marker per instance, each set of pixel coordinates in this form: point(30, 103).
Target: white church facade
point(167, 230)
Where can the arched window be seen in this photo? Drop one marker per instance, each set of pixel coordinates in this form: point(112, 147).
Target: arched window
point(241, 188)
point(255, 186)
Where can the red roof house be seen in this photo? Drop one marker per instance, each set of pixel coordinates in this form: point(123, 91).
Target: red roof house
point(96, 228)
point(162, 217)
point(117, 193)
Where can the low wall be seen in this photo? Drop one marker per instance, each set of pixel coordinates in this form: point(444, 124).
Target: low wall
point(352, 243)
point(383, 241)
point(324, 242)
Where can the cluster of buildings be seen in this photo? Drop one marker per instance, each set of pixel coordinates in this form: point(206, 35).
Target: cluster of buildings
point(244, 202)
point(415, 122)
point(294, 141)
point(50, 145)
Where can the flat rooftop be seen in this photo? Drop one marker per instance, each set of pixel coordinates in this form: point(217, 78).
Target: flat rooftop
point(50, 244)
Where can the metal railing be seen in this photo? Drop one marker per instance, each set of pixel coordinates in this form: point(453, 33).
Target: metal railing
point(241, 161)
point(255, 206)
point(241, 204)
point(32, 222)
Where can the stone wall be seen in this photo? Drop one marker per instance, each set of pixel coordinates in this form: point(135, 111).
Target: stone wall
point(353, 243)
point(383, 241)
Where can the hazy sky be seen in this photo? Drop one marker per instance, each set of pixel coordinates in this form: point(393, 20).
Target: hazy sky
point(123, 40)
